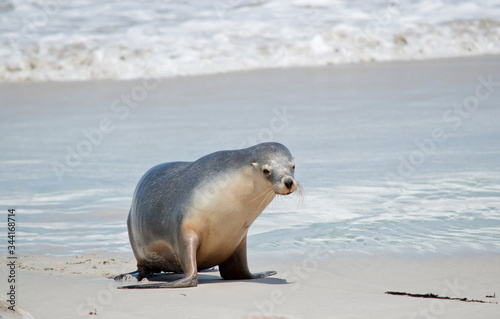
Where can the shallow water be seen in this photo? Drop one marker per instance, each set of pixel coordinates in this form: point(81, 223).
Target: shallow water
point(89, 39)
point(376, 175)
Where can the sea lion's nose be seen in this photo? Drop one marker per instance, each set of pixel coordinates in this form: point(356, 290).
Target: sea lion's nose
point(288, 182)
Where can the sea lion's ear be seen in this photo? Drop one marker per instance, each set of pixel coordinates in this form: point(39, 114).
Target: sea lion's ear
point(256, 165)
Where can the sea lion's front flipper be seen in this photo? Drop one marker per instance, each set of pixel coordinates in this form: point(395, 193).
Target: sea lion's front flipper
point(236, 266)
point(190, 246)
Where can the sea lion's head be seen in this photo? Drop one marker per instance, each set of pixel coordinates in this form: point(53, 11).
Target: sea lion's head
point(276, 164)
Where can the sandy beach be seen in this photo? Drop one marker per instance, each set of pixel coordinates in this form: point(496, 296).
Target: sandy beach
point(307, 286)
point(433, 228)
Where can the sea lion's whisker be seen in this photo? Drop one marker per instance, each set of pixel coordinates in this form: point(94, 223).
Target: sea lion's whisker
point(300, 194)
point(270, 192)
point(264, 192)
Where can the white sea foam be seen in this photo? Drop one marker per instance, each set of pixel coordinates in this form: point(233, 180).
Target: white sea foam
point(67, 40)
point(371, 218)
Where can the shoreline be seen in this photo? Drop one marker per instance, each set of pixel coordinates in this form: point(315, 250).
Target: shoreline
point(326, 68)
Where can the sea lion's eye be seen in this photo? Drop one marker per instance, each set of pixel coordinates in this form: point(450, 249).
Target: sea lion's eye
point(266, 172)
point(293, 167)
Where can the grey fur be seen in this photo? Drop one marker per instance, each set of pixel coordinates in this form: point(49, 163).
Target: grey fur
point(163, 196)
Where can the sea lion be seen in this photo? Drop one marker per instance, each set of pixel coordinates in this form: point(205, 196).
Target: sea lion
point(191, 216)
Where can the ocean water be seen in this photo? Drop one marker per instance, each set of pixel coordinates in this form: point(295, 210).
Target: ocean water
point(62, 40)
point(388, 159)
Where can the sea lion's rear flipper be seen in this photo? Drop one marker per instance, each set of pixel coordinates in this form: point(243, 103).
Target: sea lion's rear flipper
point(181, 283)
point(264, 274)
point(236, 266)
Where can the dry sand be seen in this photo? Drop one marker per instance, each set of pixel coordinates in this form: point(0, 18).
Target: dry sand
point(305, 287)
